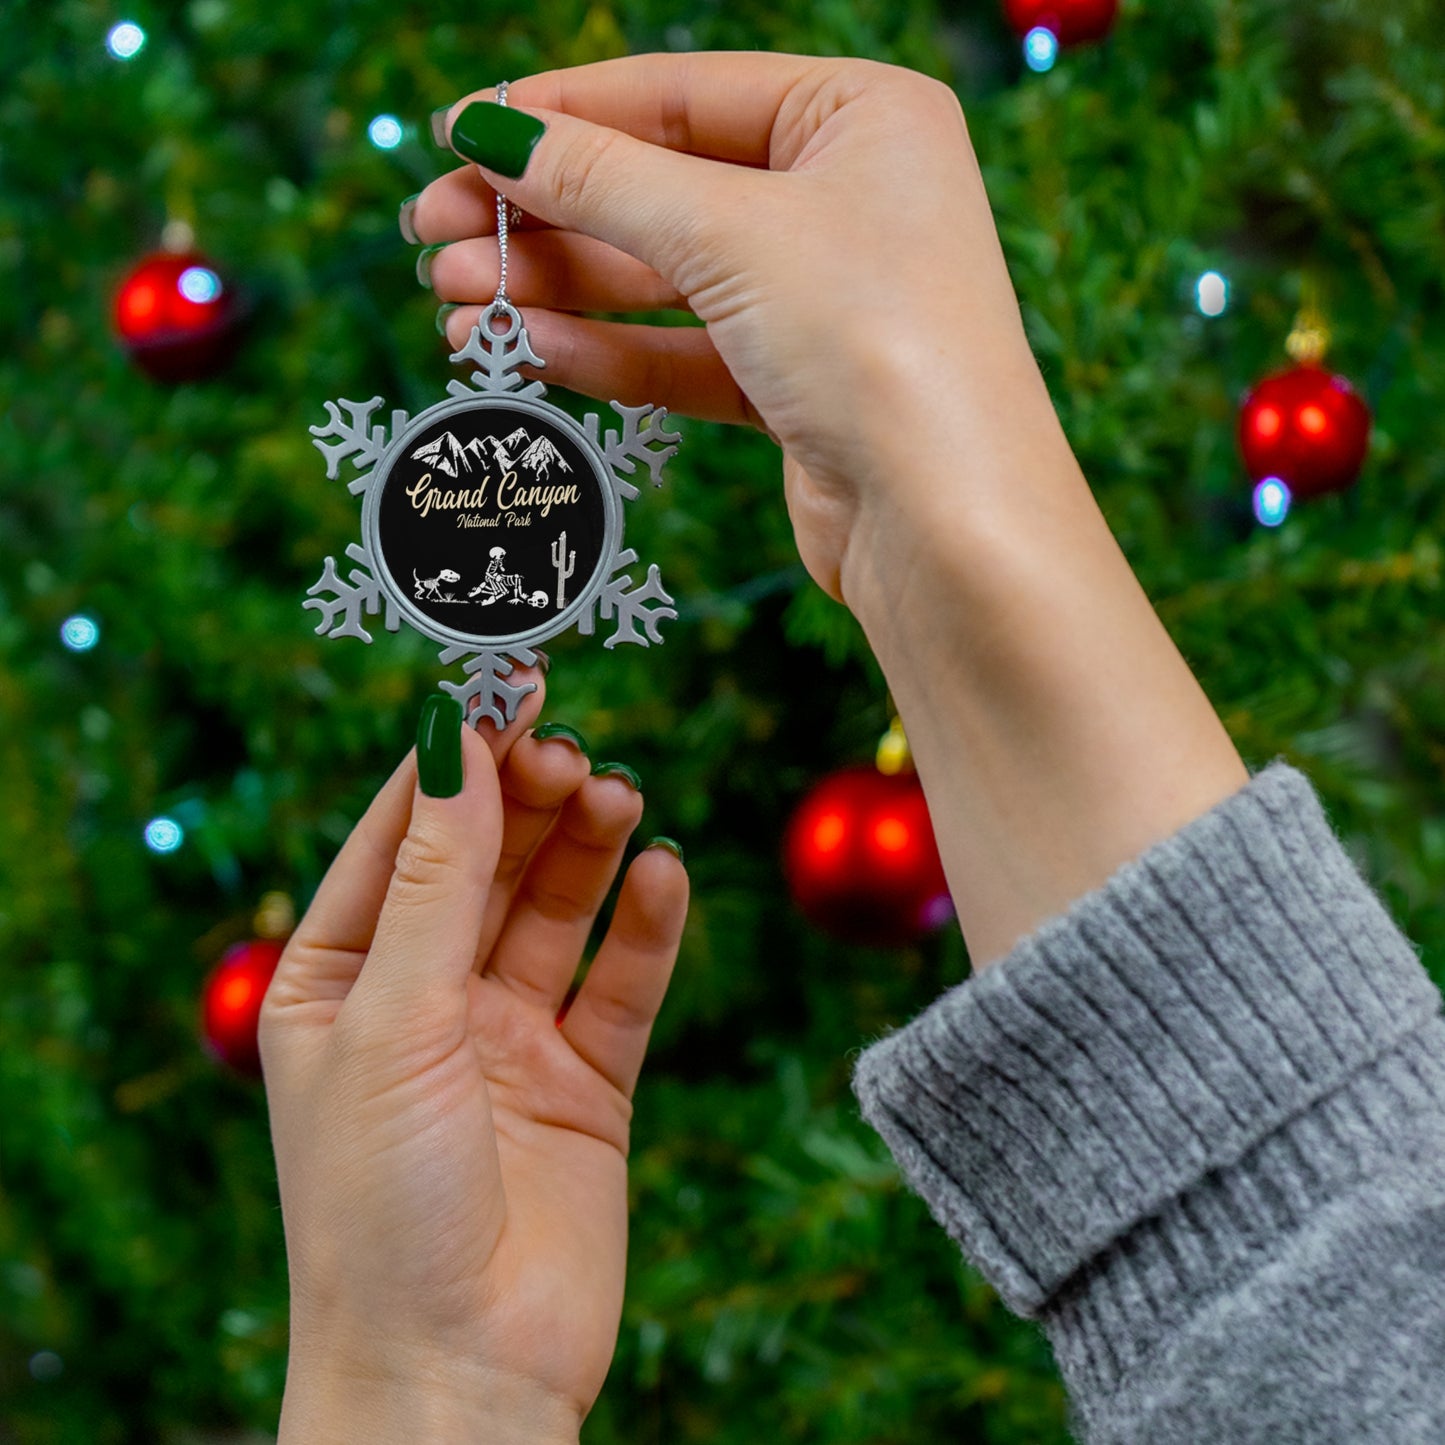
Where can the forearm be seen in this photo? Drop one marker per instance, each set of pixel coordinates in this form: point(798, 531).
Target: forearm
point(1057, 730)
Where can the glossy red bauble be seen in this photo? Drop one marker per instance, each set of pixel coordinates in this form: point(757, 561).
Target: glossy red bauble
point(861, 860)
point(231, 1003)
point(176, 317)
point(1307, 427)
point(1073, 22)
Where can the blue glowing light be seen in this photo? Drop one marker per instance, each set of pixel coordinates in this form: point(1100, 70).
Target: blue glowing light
point(1041, 48)
point(385, 132)
point(164, 835)
point(1211, 293)
point(80, 633)
point(1271, 502)
point(126, 40)
point(199, 284)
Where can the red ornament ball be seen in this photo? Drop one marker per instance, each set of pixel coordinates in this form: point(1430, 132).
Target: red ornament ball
point(1307, 427)
point(1073, 22)
point(231, 1003)
point(176, 317)
point(861, 860)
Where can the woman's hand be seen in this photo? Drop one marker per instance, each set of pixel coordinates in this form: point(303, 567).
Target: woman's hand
point(452, 1159)
point(828, 222)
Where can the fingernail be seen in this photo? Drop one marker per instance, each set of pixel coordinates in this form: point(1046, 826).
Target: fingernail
point(439, 125)
point(405, 222)
point(561, 730)
point(543, 661)
point(423, 263)
point(617, 770)
point(496, 136)
point(439, 747)
point(671, 844)
point(443, 312)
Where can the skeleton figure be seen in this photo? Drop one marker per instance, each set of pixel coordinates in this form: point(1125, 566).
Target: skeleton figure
point(498, 584)
point(429, 588)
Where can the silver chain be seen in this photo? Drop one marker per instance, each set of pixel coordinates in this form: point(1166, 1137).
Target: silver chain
point(501, 299)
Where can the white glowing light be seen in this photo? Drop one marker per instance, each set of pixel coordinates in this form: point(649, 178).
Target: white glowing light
point(126, 40)
point(199, 284)
point(1271, 502)
point(164, 835)
point(385, 132)
point(79, 633)
point(1211, 293)
point(1041, 48)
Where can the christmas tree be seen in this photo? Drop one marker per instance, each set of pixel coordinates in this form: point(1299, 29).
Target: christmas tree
point(178, 744)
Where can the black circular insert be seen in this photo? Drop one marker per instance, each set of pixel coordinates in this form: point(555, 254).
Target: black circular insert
point(492, 521)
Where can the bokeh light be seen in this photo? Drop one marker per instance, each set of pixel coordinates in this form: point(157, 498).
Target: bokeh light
point(46, 1365)
point(1211, 294)
point(1041, 48)
point(1271, 501)
point(199, 284)
point(80, 633)
point(164, 835)
point(385, 132)
point(126, 40)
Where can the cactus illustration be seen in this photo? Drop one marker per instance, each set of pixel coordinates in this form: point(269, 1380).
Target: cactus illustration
point(564, 561)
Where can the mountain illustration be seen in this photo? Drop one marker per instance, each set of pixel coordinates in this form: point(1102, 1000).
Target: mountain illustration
point(539, 457)
point(493, 453)
point(449, 455)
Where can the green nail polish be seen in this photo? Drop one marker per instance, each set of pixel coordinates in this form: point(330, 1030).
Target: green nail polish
point(443, 312)
point(671, 844)
point(423, 262)
point(496, 136)
point(561, 730)
point(404, 220)
point(439, 746)
point(617, 770)
point(439, 125)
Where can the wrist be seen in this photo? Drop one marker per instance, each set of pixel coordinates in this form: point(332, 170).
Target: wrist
point(1057, 730)
point(339, 1399)
point(958, 469)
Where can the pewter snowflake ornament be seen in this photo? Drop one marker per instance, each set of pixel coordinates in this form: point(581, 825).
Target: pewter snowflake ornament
point(492, 521)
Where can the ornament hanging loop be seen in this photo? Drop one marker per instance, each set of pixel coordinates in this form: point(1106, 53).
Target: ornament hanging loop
point(502, 309)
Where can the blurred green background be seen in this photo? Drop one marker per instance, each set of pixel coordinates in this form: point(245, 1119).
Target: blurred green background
point(783, 1285)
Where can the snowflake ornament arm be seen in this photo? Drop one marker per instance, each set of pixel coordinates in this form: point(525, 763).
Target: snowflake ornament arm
point(360, 441)
point(643, 438)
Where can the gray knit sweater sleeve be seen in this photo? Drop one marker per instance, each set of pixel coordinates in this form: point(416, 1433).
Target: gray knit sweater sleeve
point(1195, 1126)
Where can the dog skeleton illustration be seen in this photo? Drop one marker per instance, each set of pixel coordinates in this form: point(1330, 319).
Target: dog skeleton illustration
point(429, 588)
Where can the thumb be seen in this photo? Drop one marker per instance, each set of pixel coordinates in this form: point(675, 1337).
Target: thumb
point(656, 204)
point(421, 954)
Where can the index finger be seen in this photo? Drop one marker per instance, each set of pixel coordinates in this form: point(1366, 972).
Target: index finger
point(724, 105)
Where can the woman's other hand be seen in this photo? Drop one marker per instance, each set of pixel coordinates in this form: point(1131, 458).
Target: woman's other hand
point(452, 1157)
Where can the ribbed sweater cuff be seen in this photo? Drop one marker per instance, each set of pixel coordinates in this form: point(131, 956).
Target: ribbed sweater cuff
point(1221, 984)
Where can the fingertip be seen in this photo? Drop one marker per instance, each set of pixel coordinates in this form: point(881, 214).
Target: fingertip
point(657, 890)
point(662, 871)
point(545, 767)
